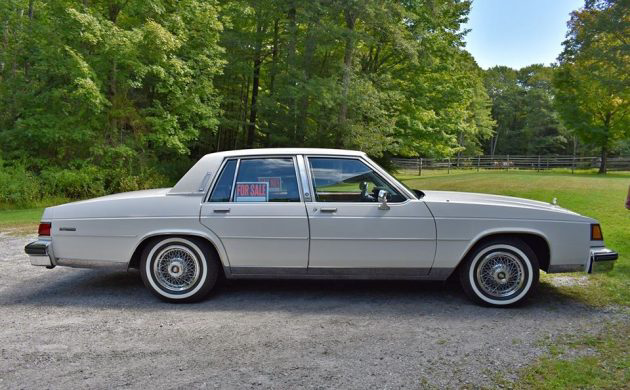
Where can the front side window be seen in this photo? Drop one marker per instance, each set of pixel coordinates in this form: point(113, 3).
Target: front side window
point(266, 180)
point(348, 180)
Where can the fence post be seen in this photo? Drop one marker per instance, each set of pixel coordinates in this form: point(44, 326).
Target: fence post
point(573, 164)
point(449, 166)
point(508, 162)
point(538, 169)
point(478, 162)
point(420, 173)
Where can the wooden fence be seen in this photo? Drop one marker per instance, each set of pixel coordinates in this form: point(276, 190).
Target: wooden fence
point(507, 162)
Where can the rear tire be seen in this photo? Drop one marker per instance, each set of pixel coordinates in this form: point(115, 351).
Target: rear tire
point(179, 269)
point(500, 272)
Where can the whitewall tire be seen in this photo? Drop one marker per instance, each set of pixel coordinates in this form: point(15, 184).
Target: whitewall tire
point(500, 272)
point(179, 269)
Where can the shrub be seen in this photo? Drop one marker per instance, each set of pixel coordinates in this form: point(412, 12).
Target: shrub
point(18, 186)
point(84, 182)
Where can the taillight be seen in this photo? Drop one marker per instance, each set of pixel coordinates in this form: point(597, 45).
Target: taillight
point(596, 232)
point(44, 229)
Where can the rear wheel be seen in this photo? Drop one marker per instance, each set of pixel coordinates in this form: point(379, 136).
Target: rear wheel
point(501, 272)
point(179, 269)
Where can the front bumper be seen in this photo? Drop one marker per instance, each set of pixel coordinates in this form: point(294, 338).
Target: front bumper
point(602, 260)
point(40, 253)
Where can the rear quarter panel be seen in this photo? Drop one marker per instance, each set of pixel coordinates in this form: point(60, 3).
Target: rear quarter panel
point(110, 230)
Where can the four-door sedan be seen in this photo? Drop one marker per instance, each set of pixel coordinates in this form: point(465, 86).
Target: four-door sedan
point(317, 214)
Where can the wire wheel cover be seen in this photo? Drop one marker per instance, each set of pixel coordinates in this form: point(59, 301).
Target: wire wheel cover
point(500, 274)
point(176, 268)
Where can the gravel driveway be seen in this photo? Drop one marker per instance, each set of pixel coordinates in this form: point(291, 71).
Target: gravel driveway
point(68, 328)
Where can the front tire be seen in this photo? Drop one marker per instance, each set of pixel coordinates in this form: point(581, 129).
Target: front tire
point(179, 269)
point(500, 272)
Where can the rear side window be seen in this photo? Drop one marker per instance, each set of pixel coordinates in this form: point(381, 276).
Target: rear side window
point(223, 188)
point(266, 180)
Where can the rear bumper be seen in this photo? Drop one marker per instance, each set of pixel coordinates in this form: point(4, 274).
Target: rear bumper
point(40, 253)
point(602, 260)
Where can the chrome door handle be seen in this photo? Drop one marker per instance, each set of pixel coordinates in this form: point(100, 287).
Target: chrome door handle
point(328, 209)
point(221, 210)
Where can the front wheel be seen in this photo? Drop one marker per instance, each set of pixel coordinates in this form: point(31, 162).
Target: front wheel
point(501, 272)
point(179, 269)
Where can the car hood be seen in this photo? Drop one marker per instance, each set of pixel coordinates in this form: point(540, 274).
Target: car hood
point(479, 205)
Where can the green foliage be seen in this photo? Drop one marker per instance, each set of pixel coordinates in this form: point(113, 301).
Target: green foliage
point(17, 185)
point(106, 88)
point(384, 77)
point(78, 183)
point(523, 107)
point(592, 79)
point(103, 96)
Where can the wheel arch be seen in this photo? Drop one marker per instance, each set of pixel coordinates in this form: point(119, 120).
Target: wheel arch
point(536, 240)
point(213, 242)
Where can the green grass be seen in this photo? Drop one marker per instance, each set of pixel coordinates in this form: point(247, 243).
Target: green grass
point(25, 219)
point(603, 362)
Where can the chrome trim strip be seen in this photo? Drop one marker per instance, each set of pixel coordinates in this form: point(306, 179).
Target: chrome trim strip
point(560, 268)
point(339, 273)
point(262, 238)
point(76, 263)
point(238, 166)
point(304, 179)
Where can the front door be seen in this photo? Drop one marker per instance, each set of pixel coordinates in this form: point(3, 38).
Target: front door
point(256, 209)
point(349, 231)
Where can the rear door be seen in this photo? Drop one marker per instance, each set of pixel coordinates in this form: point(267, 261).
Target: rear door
point(256, 209)
point(349, 231)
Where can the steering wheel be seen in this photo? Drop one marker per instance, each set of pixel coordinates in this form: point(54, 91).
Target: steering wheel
point(365, 197)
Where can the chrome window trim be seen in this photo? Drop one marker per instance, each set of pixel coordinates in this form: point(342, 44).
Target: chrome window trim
point(404, 194)
point(215, 179)
point(307, 193)
point(238, 166)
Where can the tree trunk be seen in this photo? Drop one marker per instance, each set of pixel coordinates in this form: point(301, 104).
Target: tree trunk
point(603, 162)
point(251, 127)
point(309, 50)
point(291, 66)
point(274, 57)
point(347, 73)
point(31, 9)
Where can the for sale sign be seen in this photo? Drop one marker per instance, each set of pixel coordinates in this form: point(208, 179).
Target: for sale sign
point(252, 192)
point(275, 183)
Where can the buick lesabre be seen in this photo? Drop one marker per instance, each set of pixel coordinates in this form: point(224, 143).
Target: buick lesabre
point(317, 214)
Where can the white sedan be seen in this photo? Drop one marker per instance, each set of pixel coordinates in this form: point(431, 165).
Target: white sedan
point(317, 214)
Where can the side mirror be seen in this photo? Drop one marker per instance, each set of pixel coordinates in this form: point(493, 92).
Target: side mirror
point(382, 199)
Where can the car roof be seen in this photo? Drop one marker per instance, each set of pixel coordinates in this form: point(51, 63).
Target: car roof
point(193, 181)
point(274, 151)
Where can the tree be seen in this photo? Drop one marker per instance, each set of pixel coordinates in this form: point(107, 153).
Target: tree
point(592, 76)
point(108, 85)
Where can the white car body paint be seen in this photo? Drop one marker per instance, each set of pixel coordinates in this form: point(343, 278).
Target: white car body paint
point(420, 238)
